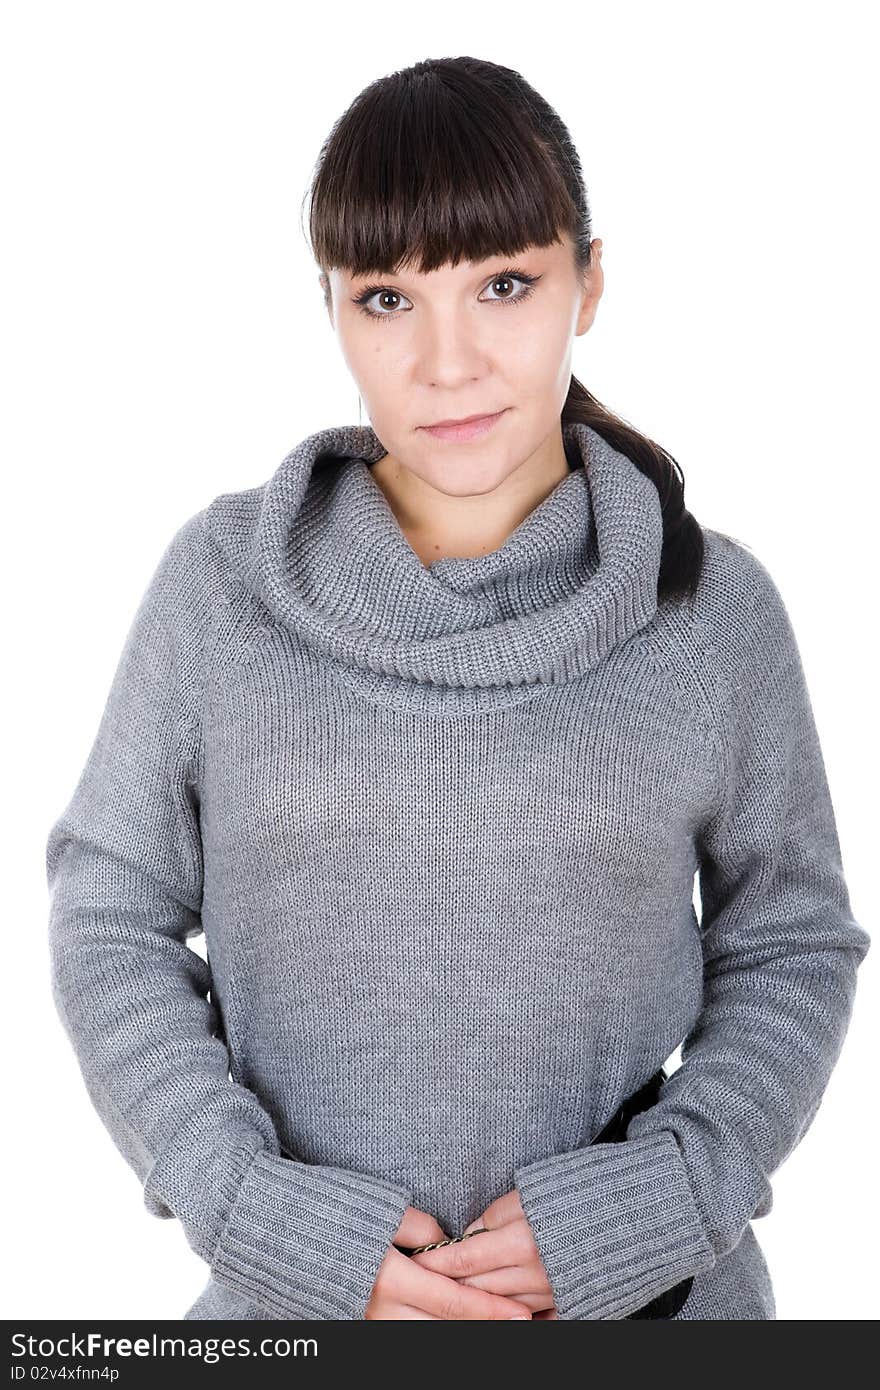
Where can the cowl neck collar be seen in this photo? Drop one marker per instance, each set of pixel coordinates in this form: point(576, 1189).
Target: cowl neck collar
point(320, 545)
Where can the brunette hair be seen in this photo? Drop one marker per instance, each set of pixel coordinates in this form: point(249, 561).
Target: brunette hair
point(460, 158)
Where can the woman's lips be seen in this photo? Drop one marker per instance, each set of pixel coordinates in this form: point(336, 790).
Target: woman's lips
point(471, 429)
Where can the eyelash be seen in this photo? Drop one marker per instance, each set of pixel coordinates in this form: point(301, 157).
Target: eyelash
point(529, 281)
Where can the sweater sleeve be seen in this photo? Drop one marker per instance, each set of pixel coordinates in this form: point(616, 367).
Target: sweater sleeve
point(125, 873)
point(617, 1224)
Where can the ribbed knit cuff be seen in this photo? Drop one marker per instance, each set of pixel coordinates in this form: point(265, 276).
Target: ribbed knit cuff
point(615, 1224)
point(306, 1240)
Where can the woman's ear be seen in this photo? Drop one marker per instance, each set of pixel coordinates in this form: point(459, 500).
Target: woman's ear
point(328, 299)
point(593, 285)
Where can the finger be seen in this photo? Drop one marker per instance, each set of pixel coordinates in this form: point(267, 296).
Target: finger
point(507, 1207)
point(511, 1280)
point(535, 1301)
point(446, 1298)
point(418, 1228)
point(506, 1245)
point(401, 1312)
point(548, 1313)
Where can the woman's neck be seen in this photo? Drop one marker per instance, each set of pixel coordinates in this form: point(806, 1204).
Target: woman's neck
point(438, 525)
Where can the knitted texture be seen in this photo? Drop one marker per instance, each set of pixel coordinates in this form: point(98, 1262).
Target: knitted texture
point(441, 827)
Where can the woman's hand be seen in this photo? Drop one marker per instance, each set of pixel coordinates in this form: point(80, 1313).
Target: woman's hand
point(405, 1290)
point(502, 1260)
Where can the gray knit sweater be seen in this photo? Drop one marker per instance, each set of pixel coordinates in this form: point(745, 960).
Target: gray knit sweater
point(441, 827)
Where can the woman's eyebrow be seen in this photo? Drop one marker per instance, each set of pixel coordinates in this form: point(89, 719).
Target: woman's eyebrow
point(392, 273)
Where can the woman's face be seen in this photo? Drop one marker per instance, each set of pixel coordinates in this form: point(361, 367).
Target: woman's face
point(464, 341)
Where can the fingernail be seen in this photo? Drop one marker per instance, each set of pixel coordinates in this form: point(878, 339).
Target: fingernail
point(520, 1317)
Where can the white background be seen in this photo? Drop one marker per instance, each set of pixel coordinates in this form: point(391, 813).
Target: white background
point(164, 339)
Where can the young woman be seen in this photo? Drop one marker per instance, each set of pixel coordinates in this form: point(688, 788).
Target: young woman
point(430, 735)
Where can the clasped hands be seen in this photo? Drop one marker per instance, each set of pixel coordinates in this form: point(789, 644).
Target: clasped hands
point(498, 1274)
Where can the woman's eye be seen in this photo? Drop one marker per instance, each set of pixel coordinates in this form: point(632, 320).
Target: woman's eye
point(388, 308)
point(508, 283)
point(388, 301)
